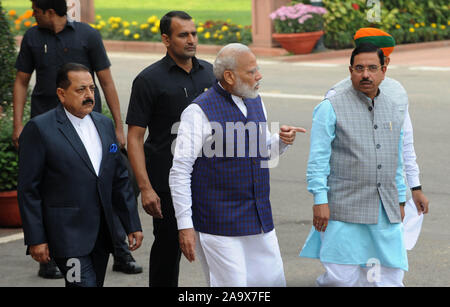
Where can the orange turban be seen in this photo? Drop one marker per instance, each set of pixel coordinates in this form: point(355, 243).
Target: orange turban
point(375, 36)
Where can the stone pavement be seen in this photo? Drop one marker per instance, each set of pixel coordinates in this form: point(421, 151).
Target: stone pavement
point(290, 91)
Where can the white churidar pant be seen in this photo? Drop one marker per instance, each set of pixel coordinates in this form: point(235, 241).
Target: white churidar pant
point(242, 261)
point(344, 275)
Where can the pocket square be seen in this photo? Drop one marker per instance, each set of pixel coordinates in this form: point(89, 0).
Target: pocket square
point(113, 148)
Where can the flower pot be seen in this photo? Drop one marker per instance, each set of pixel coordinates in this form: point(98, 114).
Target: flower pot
point(9, 210)
point(298, 43)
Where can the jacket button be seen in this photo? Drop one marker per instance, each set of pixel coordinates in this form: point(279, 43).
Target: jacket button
point(379, 166)
point(370, 109)
point(378, 146)
point(379, 185)
point(375, 127)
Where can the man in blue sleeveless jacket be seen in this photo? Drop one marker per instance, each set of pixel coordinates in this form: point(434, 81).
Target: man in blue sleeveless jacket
point(220, 182)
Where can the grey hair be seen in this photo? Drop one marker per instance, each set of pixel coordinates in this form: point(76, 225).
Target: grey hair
point(226, 59)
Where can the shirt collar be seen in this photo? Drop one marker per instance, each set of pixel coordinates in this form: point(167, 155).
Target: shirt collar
point(76, 121)
point(170, 63)
point(219, 89)
point(70, 24)
point(236, 99)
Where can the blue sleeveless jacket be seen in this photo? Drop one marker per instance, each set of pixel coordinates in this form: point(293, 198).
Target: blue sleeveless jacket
point(230, 192)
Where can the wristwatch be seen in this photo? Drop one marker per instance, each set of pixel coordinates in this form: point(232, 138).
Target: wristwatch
point(418, 188)
point(402, 204)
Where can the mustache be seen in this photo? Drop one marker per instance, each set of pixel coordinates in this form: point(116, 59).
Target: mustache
point(89, 100)
point(365, 80)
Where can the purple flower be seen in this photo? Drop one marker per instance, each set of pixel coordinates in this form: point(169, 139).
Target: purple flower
point(299, 12)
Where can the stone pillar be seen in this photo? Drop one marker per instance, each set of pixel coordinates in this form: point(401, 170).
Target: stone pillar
point(81, 10)
point(320, 46)
point(262, 26)
point(87, 11)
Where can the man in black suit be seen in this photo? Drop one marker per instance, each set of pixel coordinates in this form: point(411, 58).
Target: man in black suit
point(71, 178)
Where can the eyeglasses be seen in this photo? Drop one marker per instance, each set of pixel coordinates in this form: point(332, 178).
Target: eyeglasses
point(371, 68)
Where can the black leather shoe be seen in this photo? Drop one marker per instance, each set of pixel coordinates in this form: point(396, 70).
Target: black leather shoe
point(50, 271)
point(126, 265)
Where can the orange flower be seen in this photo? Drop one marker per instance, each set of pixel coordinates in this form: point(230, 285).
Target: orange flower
point(28, 14)
point(12, 13)
point(27, 23)
point(17, 21)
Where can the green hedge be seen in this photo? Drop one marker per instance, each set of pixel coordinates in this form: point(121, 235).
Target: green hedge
point(8, 154)
point(215, 32)
point(408, 21)
point(7, 60)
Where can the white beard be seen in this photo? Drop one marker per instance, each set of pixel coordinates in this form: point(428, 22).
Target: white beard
point(244, 90)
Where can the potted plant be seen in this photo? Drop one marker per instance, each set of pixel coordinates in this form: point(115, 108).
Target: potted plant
point(298, 27)
point(9, 209)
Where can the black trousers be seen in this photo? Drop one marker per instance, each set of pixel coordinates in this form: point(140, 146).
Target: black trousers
point(88, 270)
point(165, 253)
point(121, 249)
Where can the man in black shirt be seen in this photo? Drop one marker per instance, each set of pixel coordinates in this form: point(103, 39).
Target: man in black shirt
point(48, 46)
point(159, 95)
point(44, 49)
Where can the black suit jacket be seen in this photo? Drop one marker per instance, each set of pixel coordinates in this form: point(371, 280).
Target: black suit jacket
point(60, 196)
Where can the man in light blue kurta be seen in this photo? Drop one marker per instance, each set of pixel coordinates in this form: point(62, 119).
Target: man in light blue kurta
point(355, 174)
point(397, 92)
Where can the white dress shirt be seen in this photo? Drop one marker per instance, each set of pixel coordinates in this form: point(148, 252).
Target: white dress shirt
point(88, 134)
point(193, 132)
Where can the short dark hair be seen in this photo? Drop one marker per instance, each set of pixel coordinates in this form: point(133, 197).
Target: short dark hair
point(60, 6)
point(367, 48)
point(62, 77)
point(166, 22)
